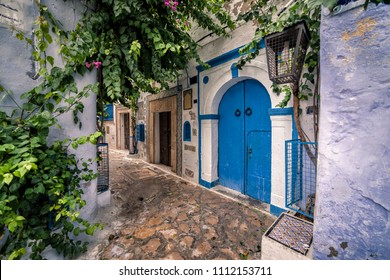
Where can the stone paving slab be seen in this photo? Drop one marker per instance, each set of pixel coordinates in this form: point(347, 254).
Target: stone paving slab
point(155, 215)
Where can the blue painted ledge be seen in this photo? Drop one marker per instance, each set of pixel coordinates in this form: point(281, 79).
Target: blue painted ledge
point(209, 117)
point(280, 111)
point(233, 54)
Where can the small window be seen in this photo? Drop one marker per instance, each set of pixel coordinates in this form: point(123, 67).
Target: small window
point(140, 132)
point(193, 80)
point(109, 112)
point(187, 131)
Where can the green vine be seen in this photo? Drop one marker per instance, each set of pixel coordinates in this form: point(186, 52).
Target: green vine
point(142, 45)
point(40, 193)
point(272, 17)
point(136, 46)
point(269, 20)
point(266, 15)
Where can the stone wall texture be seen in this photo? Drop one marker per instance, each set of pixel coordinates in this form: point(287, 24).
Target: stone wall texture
point(353, 193)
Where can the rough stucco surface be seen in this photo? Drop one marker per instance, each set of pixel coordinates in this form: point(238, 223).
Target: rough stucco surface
point(16, 65)
point(18, 74)
point(353, 193)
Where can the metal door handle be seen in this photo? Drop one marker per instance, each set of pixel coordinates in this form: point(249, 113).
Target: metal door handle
point(248, 111)
point(237, 113)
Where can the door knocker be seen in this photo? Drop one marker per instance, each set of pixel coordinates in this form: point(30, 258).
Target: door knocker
point(248, 111)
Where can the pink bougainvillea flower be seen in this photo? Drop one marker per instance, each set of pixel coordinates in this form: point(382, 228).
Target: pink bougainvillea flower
point(187, 23)
point(167, 3)
point(87, 64)
point(175, 3)
point(174, 8)
point(97, 64)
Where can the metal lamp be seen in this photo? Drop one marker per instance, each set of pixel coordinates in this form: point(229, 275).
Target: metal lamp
point(286, 52)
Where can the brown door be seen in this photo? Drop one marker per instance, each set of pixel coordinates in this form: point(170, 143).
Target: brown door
point(165, 138)
point(126, 121)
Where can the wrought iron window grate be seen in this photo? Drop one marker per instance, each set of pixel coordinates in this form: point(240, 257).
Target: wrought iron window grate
point(301, 171)
point(103, 168)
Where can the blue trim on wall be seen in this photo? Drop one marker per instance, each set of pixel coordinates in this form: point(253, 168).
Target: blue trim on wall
point(234, 70)
point(280, 111)
point(208, 185)
point(227, 57)
point(209, 117)
point(276, 211)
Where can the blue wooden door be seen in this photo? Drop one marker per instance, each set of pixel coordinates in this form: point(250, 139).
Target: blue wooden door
point(245, 140)
point(258, 183)
point(231, 160)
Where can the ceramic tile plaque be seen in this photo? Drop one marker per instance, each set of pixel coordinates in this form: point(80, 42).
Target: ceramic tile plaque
point(187, 99)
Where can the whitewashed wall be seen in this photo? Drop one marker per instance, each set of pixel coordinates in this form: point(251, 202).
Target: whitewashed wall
point(17, 71)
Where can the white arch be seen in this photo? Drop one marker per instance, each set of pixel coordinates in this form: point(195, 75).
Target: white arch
point(210, 95)
point(221, 81)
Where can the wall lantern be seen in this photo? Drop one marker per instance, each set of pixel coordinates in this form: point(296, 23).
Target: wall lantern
point(286, 52)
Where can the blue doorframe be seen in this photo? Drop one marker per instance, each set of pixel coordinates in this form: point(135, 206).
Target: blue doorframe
point(223, 58)
point(244, 145)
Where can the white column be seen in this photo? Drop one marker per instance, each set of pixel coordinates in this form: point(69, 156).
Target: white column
point(209, 151)
point(281, 131)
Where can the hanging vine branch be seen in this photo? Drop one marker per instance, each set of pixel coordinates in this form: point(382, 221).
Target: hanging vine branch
point(273, 19)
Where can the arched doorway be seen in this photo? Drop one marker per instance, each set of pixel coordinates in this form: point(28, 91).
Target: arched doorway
point(244, 133)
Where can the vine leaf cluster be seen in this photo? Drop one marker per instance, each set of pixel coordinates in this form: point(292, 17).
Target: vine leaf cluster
point(140, 46)
point(40, 180)
point(143, 45)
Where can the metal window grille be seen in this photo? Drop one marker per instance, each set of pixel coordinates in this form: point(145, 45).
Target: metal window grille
point(103, 168)
point(301, 171)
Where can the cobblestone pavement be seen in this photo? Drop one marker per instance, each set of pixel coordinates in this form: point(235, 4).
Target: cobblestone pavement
point(157, 215)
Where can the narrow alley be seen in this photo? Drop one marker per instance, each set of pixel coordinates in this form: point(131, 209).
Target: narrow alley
point(155, 215)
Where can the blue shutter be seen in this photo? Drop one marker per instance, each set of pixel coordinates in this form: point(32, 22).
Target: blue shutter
point(109, 112)
point(140, 132)
point(187, 131)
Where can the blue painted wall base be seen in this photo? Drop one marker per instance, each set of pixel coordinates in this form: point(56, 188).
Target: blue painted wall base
point(276, 211)
point(208, 185)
